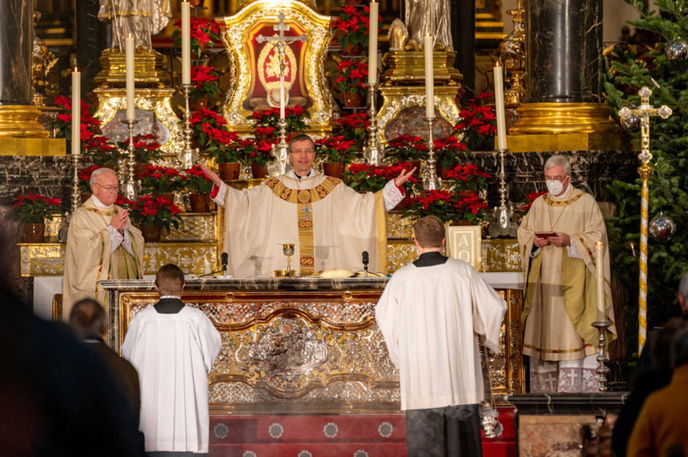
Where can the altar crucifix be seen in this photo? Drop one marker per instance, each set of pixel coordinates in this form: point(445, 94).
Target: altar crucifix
point(281, 41)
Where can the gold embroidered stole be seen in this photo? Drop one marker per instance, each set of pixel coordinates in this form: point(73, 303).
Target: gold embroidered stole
point(304, 199)
point(126, 264)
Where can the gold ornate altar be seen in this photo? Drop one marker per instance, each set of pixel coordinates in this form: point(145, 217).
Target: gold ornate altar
point(307, 345)
point(252, 64)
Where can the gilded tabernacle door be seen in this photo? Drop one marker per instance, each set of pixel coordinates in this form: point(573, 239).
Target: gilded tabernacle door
point(255, 62)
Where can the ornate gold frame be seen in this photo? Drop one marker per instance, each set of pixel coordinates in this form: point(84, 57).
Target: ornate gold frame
point(156, 100)
point(235, 32)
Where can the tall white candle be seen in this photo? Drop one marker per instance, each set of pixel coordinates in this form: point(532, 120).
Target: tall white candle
point(186, 43)
point(429, 77)
point(372, 43)
point(599, 260)
point(130, 52)
point(76, 112)
point(499, 106)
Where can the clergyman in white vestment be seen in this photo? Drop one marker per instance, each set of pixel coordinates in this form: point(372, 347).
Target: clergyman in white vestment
point(173, 347)
point(433, 314)
point(101, 244)
point(329, 223)
point(557, 240)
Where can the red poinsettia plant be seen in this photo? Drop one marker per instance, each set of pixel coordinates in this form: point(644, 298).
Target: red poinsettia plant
point(266, 121)
point(466, 176)
point(351, 27)
point(160, 180)
point(353, 126)
point(90, 126)
point(372, 178)
point(406, 148)
point(448, 206)
point(146, 148)
point(204, 33)
point(260, 153)
point(211, 133)
point(34, 208)
point(155, 210)
point(447, 152)
point(479, 123)
point(195, 181)
point(352, 76)
point(335, 149)
point(205, 80)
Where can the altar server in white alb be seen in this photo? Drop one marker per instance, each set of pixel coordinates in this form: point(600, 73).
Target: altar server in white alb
point(433, 314)
point(329, 223)
point(173, 347)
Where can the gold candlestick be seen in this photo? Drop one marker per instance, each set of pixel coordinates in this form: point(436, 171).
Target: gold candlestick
point(129, 182)
point(430, 180)
point(187, 158)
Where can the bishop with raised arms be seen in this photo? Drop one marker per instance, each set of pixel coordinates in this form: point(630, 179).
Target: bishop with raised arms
point(329, 223)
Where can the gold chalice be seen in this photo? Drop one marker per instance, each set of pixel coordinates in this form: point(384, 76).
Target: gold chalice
point(288, 250)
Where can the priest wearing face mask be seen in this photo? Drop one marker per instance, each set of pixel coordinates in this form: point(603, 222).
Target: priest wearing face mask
point(557, 241)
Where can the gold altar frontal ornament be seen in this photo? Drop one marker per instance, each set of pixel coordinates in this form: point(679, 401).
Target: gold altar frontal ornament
point(21, 121)
point(148, 68)
point(153, 111)
point(248, 91)
point(564, 127)
point(403, 93)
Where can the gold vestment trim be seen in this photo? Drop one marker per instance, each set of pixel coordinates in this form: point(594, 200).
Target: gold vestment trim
point(302, 196)
point(551, 202)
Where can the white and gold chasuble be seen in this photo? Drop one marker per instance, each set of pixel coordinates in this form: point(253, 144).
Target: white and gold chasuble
point(89, 255)
point(329, 223)
point(560, 303)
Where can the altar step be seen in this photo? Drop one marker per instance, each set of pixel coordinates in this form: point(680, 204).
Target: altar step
point(319, 435)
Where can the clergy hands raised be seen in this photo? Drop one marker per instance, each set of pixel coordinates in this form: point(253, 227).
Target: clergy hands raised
point(211, 175)
point(403, 177)
point(120, 220)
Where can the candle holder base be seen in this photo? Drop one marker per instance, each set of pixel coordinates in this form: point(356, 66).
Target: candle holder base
point(602, 371)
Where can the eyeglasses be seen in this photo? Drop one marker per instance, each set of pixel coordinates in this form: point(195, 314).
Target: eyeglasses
point(108, 188)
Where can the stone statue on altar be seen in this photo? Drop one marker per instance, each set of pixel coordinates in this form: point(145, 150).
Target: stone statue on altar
point(140, 18)
point(425, 17)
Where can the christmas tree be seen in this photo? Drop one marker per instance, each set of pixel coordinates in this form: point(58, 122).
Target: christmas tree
point(658, 60)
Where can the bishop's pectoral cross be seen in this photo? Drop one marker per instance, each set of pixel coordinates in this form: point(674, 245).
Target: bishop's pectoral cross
point(307, 213)
point(281, 42)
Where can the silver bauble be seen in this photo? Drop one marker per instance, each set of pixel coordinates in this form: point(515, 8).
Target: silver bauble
point(677, 49)
point(662, 228)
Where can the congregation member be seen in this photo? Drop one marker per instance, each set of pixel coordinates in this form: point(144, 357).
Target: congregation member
point(433, 314)
point(662, 429)
point(101, 244)
point(173, 346)
point(329, 223)
point(88, 320)
point(557, 241)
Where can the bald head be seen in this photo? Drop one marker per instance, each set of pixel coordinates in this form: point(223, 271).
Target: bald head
point(87, 318)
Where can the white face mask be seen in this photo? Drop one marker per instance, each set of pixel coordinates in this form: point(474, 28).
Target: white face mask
point(554, 187)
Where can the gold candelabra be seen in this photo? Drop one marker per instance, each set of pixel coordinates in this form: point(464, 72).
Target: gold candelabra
point(75, 182)
point(129, 183)
point(373, 149)
point(430, 180)
point(631, 116)
point(513, 55)
point(187, 158)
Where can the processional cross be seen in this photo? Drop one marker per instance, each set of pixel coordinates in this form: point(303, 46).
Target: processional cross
point(281, 42)
point(632, 117)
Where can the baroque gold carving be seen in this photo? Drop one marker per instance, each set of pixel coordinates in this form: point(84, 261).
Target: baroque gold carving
point(165, 123)
point(501, 255)
point(399, 226)
point(236, 31)
point(311, 351)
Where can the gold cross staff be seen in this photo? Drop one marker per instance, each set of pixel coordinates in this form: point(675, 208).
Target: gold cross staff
point(643, 112)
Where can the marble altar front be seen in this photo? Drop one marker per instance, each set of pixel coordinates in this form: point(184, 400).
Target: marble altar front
point(307, 345)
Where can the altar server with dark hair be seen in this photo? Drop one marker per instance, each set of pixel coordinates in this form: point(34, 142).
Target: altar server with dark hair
point(173, 347)
point(433, 314)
